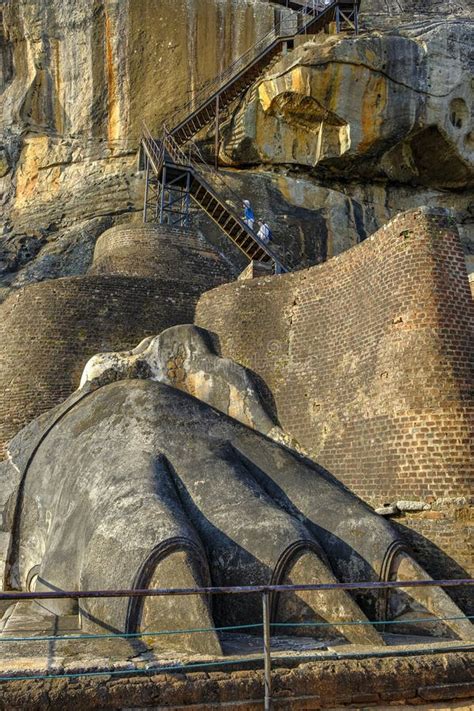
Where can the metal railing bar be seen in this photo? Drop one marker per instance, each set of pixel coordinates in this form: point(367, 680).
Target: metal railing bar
point(249, 57)
point(215, 175)
point(267, 659)
point(241, 590)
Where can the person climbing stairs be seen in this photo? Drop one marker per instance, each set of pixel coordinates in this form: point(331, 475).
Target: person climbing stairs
point(174, 176)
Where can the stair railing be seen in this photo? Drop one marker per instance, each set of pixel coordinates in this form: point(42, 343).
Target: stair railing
point(288, 27)
point(191, 157)
point(154, 149)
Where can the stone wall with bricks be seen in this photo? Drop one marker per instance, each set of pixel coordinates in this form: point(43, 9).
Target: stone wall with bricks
point(143, 280)
point(160, 252)
point(368, 359)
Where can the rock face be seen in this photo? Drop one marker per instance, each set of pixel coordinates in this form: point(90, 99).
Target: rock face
point(358, 129)
point(77, 78)
point(395, 106)
point(377, 13)
point(314, 220)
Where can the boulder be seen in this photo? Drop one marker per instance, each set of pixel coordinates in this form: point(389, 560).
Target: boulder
point(393, 106)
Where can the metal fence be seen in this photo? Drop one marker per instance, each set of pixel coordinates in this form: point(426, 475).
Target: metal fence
point(265, 625)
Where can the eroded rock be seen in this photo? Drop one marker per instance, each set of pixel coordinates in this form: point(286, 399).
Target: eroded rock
point(75, 92)
point(313, 220)
point(184, 357)
point(394, 105)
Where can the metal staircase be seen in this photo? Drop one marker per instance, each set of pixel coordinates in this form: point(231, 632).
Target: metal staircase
point(180, 176)
point(175, 176)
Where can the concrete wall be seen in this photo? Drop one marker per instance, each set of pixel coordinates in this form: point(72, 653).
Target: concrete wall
point(368, 359)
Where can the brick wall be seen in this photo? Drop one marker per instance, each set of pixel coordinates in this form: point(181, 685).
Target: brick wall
point(368, 359)
point(49, 330)
point(160, 252)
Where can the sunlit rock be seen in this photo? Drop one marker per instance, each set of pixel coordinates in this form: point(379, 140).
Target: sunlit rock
point(392, 105)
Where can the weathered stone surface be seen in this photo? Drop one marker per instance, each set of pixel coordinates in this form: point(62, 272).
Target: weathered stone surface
point(382, 13)
point(97, 69)
point(4, 163)
point(388, 510)
point(312, 222)
point(395, 106)
point(412, 506)
point(77, 79)
point(31, 258)
point(17, 251)
point(184, 357)
point(178, 510)
point(68, 320)
point(105, 454)
point(322, 683)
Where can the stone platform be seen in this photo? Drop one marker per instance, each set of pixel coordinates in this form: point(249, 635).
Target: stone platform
point(307, 674)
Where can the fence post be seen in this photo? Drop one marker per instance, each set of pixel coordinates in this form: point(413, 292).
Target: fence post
point(145, 197)
point(266, 651)
point(338, 19)
point(216, 139)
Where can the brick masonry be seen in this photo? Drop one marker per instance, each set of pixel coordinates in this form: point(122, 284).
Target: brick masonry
point(49, 330)
point(369, 360)
point(161, 253)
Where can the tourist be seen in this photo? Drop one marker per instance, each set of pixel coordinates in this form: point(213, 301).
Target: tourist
point(264, 233)
point(249, 217)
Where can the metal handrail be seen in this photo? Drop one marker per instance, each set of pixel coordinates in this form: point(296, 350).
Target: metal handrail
point(264, 590)
point(232, 590)
point(235, 201)
point(285, 28)
point(155, 150)
point(186, 158)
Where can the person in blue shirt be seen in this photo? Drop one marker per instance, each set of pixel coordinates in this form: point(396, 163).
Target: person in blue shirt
point(249, 217)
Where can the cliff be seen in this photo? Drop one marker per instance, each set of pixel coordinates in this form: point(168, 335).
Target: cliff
point(339, 137)
point(78, 77)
